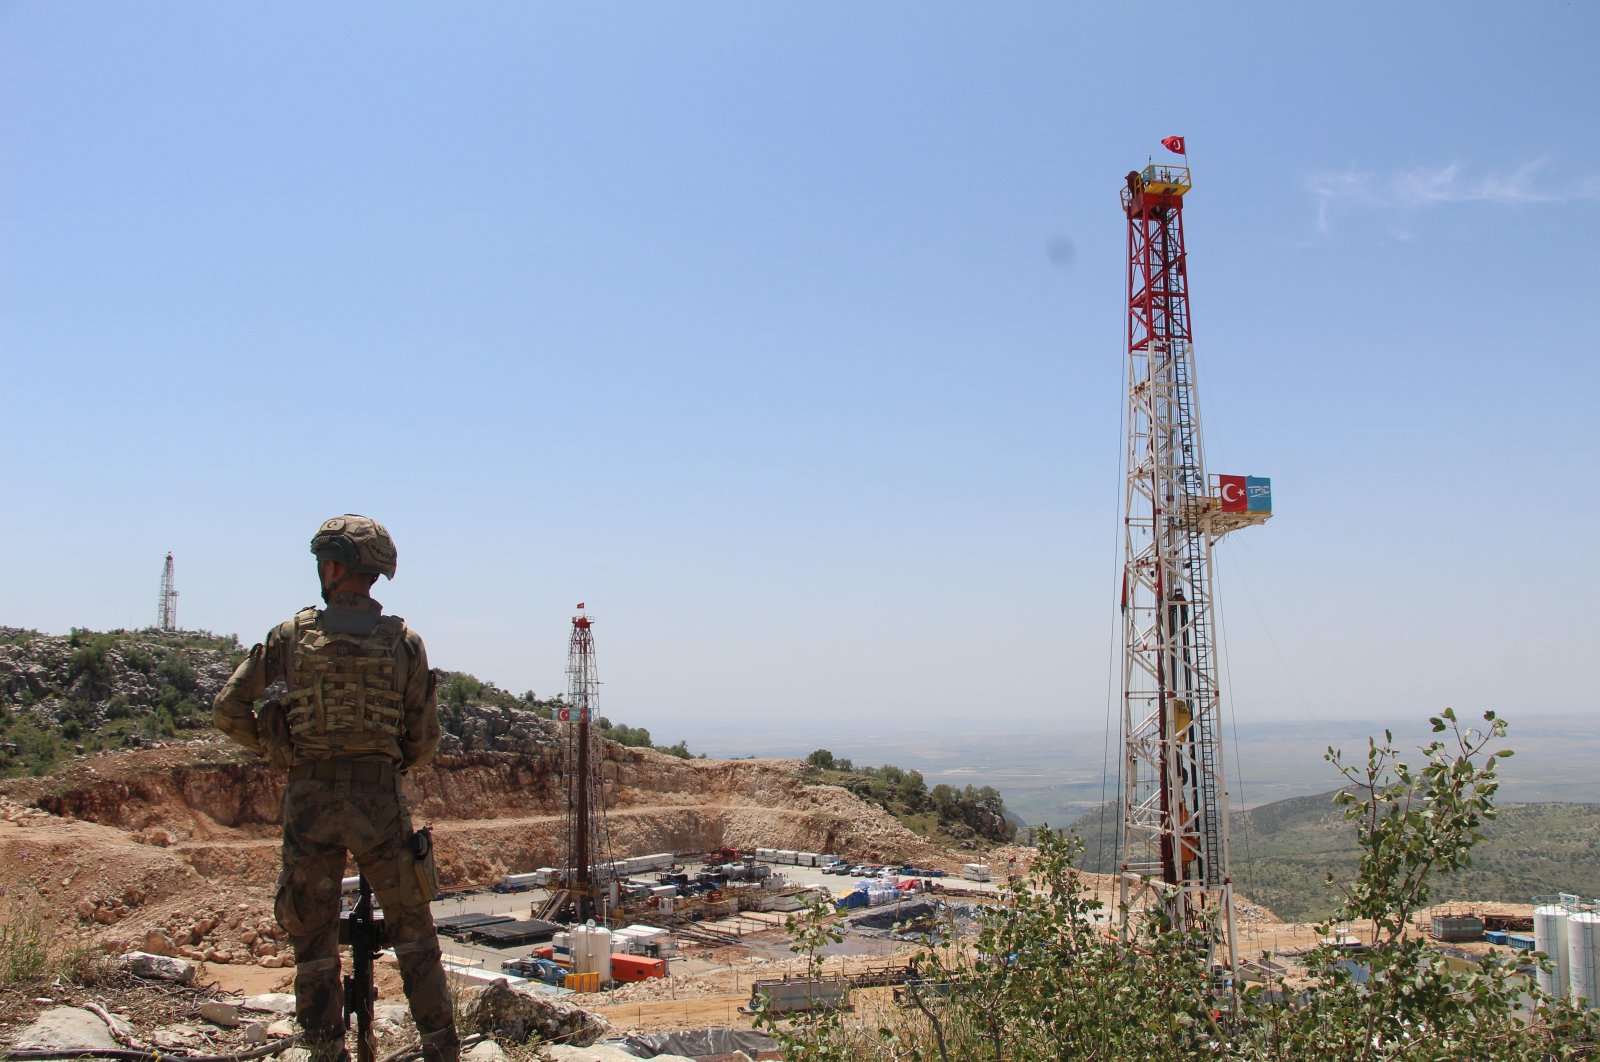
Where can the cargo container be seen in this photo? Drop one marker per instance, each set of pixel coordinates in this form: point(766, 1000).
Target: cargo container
point(628, 968)
point(796, 996)
point(1457, 928)
point(975, 871)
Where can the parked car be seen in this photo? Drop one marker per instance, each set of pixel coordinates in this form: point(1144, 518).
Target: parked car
point(837, 867)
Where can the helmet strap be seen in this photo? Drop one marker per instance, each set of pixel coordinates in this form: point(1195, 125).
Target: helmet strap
point(329, 589)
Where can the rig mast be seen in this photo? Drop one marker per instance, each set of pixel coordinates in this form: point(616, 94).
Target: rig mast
point(1174, 831)
point(167, 608)
point(588, 845)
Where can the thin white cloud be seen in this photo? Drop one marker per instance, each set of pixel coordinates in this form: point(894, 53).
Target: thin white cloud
point(1422, 187)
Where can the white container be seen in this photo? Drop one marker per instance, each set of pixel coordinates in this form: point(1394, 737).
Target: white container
point(1550, 937)
point(1583, 957)
point(975, 871)
point(591, 951)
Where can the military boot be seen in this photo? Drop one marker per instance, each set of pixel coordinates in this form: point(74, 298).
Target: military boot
point(441, 1045)
point(325, 1045)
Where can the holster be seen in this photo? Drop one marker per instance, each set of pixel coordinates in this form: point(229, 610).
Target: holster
point(272, 727)
point(422, 861)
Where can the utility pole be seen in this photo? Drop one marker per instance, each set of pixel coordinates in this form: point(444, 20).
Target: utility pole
point(1174, 829)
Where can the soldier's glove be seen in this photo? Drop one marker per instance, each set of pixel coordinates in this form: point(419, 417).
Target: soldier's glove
point(272, 727)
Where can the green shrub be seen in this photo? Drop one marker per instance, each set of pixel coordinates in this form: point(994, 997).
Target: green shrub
point(90, 657)
point(177, 672)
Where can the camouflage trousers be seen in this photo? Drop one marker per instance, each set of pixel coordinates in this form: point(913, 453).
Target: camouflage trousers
point(322, 820)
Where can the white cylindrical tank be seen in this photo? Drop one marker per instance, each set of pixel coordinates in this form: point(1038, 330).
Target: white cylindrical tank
point(1550, 937)
point(591, 951)
point(1583, 957)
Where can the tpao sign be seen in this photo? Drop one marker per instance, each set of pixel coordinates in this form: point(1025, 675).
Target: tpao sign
point(1245, 494)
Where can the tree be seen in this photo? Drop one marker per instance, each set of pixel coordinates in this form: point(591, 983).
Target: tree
point(913, 790)
point(821, 759)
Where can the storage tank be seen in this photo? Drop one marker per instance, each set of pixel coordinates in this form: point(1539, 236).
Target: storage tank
point(1583, 957)
point(1550, 937)
point(591, 951)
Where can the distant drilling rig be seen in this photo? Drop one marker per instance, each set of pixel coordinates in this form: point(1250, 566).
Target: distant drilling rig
point(1174, 830)
point(167, 608)
point(588, 843)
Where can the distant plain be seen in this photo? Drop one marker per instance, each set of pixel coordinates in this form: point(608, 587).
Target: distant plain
point(1054, 776)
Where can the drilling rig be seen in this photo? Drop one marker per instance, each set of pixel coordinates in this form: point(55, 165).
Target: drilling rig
point(167, 608)
point(588, 854)
point(1174, 832)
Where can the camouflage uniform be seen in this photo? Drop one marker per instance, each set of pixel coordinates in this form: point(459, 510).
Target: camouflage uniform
point(359, 711)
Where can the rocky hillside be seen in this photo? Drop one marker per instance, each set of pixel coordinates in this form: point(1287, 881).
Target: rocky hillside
point(65, 696)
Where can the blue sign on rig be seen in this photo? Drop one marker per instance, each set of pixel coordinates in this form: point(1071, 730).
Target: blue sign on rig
point(1258, 494)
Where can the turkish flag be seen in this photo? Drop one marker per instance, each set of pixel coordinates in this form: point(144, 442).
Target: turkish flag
point(1235, 498)
point(563, 715)
point(1174, 144)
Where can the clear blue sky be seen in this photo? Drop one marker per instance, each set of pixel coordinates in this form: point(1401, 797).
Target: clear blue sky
point(789, 338)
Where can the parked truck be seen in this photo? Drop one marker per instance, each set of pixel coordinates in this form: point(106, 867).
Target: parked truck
point(536, 969)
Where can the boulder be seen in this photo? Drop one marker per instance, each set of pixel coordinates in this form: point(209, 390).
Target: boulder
point(519, 1015)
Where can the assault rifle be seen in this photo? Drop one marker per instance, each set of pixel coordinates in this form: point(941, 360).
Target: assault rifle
point(364, 933)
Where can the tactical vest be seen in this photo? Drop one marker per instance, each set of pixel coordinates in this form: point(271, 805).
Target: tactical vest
point(343, 696)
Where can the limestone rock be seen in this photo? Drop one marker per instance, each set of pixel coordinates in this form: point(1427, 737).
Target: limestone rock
point(269, 1003)
point(223, 1014)
point(175, 1036)
point(158, 943)
point(157, 967)
point(484, 1051)
point(66, 1028)
point(518, 1014)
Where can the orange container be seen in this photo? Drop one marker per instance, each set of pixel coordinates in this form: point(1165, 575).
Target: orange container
point(636, 968)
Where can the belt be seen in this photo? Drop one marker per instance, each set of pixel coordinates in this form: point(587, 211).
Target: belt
point(370, 772)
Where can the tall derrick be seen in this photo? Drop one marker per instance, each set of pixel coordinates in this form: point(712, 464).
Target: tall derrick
point(167, 608)
point(1174, 830)
point(588, 844)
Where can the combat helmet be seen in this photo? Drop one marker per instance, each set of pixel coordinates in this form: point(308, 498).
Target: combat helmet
point(360, 543)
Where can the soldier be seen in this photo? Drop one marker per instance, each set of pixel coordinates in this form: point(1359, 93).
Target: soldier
point(358, 711)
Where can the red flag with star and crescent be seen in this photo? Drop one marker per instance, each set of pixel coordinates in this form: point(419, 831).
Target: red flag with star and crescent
point(1234, 496)
point(1174, 144)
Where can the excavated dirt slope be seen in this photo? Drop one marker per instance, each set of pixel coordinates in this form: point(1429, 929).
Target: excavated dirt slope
point(182, 841)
